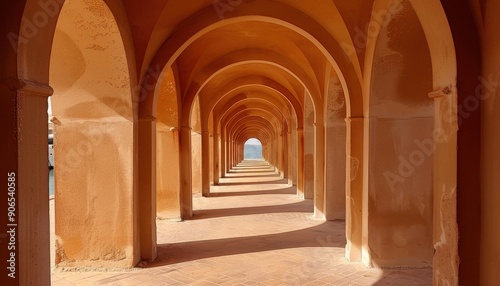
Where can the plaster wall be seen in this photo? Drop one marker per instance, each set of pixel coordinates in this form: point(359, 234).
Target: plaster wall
point(399, 202)
point(400, 193)
point(94, 194)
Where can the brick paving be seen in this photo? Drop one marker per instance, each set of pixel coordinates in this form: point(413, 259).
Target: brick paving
point(252, 230)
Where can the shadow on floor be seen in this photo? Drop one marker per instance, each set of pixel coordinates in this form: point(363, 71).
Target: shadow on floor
point(272, 182)
point(231, 176)
point(328, 234)
point(301, 207)
point(240, 171)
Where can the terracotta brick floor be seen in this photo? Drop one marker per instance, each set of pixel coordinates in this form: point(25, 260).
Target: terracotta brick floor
point(253, 230)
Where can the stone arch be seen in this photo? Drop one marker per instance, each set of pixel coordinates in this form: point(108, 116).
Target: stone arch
point(288, 17)
point(257, 82)
point(93, 110)
point(238, 119)
point(246, 84)
point(400, 125)
point(260, 128)
point(252, 103)
point(443, 60)
point(444, 71)
point(245, 57)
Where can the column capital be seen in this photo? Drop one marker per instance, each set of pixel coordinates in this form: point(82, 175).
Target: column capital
point(148, 119)
point(186, 128)
point(28, 87)
point(355, 119)
point(448, 90)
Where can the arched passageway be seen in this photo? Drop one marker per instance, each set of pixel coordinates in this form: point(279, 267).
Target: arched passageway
point(153, 105)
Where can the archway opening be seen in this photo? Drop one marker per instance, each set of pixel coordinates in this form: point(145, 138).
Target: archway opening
point(94, 129)
point(253, 149)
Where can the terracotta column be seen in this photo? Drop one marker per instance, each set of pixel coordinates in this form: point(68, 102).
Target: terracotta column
point(319, 170)
point(196, 163)
point(205, 163)
point(217, 160)
point(231, 148)
point(222, 154)
point(354, 187)
point(242, 152)
point(284, 155)
point(292, 158)
point(309, 152)
point(335, 178)
point(280, 150)
point(445, 182)
point(186, 176)
point(147, 187)
point(211, 159)
point(233, 154)
point(228, 154)
point(300, 163)
point(24, 127)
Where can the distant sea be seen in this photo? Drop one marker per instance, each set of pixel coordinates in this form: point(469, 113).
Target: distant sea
point(253, 152)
